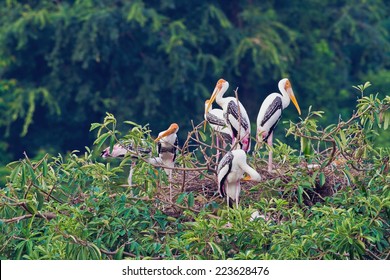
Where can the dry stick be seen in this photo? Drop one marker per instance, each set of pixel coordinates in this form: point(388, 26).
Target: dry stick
point(172, 204)
point(48, 194)
point(85, 243)
point(46, 216)
point(331, 158)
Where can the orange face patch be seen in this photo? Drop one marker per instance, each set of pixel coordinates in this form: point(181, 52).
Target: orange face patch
point(173, 126)
point(220, 82)
point(287, 85)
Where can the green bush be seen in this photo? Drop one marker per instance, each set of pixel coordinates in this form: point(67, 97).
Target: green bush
point(329, 200)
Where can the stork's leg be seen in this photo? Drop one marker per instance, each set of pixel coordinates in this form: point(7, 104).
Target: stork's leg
point(269, 141)
point(217, 150)
point(237, 193)
point(170, 185)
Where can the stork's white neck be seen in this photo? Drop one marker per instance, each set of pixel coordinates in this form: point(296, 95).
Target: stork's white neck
point(219, 98)
point(285, 98)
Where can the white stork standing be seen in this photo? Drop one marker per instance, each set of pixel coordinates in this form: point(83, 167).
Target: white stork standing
point(217, 122)
point(235, 115)
point(167, 143)
point(271, 112)
point(230, 171)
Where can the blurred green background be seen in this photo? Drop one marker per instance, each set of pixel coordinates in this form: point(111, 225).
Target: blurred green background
point(64, 64)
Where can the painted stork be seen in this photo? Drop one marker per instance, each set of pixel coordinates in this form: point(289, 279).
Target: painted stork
point(230, 171)
point(235, 115)
point(167, 143)
point(217, 122)
point(271, 112)
point(121, 150)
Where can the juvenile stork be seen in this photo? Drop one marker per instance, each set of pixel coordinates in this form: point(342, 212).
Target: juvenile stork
point(230, 171)
point(235, 115)
point(271, 112)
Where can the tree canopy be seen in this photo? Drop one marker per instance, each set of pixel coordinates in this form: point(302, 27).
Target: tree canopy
point(92, 73)
point(64, 64)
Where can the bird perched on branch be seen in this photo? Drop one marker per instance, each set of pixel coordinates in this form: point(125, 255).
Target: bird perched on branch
point(235, 115)
point(230, 171)
point(167, 143)
point(270, 113)
point(121, 150)
point(217, 122)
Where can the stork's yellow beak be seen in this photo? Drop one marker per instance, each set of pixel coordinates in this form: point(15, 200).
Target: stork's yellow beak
point(213, 96)
point(206, 110)
point(290, 93)
point(172, 129)
point(217, 89)
point(247, 178)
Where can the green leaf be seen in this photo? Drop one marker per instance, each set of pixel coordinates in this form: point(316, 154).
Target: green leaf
point(31, 207)
point(181, 198)
point(14, 173)
point(44, 168)
point(343, 138)
point(300, 192)
point(202, 135)
point(94, 126)
point(191, 199)
point(32, 174)
point(322, 179)
point(102, 138)
point(112, 142)
point(217, 250)
point(386, 120)
point(132, 123)
point(40, 200)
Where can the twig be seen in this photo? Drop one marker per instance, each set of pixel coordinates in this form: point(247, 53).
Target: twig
point(47, 216)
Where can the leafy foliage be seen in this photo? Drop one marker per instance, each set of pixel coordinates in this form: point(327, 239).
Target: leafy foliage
point(331, 200)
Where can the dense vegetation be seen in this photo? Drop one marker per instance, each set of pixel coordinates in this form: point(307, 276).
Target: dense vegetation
point(64, 64)
point(331, 201)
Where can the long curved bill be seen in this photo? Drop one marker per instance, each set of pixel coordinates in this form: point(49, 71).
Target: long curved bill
point(217, 89)
point(172, 129)
point(207, 108)
point(293, 99)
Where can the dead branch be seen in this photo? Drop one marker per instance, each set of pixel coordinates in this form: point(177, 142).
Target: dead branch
point(46, 216)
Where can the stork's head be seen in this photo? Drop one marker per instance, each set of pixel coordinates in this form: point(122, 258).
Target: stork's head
point(219, 89)
point(117, 151)
point(285, 85)
point(173, 128)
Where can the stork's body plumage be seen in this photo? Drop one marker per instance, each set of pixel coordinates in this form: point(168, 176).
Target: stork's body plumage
point(217, 122)
point(230, 171)
point(271, 112)
point(167, 143)
point(235, 115)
